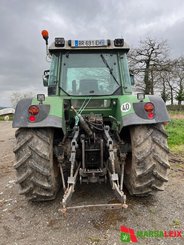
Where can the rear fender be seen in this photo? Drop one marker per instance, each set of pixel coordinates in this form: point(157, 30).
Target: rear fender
point(50, 114)
point(136, 115)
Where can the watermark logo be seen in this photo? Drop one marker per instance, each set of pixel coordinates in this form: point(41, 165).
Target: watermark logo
point(129, 234)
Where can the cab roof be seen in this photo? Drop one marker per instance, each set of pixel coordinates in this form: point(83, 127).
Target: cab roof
point(102, 44)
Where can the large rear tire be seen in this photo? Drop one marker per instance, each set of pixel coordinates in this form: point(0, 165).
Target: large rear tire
point(37, 172)
point(147, 168)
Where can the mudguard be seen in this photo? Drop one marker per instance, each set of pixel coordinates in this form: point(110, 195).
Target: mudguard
point(133, 113)
point(50, 114)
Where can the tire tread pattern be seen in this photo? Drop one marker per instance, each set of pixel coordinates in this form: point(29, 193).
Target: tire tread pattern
point(149, 166)
point(37, 175)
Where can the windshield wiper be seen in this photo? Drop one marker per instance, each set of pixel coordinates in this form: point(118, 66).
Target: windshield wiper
point(110, 69)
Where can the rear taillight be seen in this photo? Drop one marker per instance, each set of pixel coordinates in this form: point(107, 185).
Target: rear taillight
point(151, 115)
point(33, 110)
point(149, 108)
point(32, 118)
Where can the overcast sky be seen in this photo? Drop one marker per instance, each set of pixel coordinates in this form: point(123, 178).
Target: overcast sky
point(22, 55)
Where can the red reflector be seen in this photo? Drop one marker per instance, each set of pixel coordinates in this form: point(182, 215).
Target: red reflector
point(32, 118)
point(151, 115)
point(149, 107)
point(33, 110)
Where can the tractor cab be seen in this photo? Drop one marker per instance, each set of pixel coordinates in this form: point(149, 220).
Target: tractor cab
point(88, 68)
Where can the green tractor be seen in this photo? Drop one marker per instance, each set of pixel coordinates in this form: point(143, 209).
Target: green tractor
point(90, 128)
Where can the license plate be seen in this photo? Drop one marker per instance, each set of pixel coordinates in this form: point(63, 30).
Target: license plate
point(88, 43)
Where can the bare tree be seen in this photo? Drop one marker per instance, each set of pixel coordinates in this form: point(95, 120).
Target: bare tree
point(165, 92)
point(146, 61)
point(166, 81)
point(179, 80)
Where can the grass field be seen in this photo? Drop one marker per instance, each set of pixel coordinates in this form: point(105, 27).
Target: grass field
point(175, 130)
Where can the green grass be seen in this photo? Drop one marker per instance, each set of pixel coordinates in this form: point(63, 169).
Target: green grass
point(175, 130)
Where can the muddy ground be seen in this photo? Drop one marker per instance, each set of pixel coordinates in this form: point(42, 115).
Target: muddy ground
point(24, 223)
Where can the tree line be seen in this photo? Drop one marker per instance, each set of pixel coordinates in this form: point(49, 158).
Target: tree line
point(156, 72)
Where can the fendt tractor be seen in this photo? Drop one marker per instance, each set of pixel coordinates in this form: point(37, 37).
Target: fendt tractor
point(90, 128)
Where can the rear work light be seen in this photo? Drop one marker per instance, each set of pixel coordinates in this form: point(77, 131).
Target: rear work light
point(149, 108)
point(140, 96)
point(59, 42)
point(119, 42)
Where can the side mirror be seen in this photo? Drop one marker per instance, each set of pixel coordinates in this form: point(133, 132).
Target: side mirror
point(46, 78)
point(132, 78)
